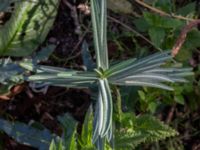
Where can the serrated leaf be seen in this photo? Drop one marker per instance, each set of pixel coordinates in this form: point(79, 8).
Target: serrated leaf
point(165, 5)
point(142, 129)
point(28, 27)
point(160, 21)
point(157, 35)
point(192, 40)
point(141, 24)
point(187, 9)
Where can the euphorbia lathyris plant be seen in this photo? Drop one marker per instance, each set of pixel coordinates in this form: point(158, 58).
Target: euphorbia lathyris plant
point(143, 72)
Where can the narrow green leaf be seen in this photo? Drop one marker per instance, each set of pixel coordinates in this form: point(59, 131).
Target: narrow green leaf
point(103, 33)
point(107, 101)
point(158, 77)
point(147, 83)
point(98, 115)
point(119, 66)
point(154, 60)
point(30, 66)
point(67, 83)
point(169, 70)
point(99, 22)
point(96, 29)
point(52, 146)
point(103, 114)
point(86, 56)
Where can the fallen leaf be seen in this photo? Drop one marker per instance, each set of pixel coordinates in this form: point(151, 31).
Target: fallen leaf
point(14, 91)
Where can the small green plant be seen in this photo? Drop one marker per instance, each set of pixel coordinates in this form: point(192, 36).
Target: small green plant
point(149, 71)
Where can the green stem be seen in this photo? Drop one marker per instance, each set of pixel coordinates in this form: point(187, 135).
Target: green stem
point(118, 104)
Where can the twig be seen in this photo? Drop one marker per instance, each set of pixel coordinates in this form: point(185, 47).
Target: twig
point(76, 47)
point(170, 114)
point(162, 13)
point(185, 30)
point(134, 31)
point(118, 104)
point(74, 15)
point(78, 31)
point(181, 39)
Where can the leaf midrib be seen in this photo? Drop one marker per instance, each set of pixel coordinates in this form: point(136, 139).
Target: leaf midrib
point(17, 28)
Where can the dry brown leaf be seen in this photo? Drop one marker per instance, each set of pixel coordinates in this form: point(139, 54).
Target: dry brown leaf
point(14, 91)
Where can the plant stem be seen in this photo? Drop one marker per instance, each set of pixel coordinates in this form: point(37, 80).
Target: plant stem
point(118, 106)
